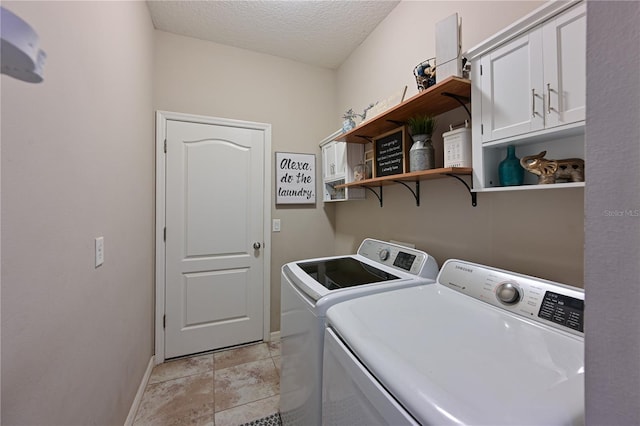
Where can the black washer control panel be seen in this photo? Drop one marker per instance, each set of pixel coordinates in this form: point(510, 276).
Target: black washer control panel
point(404, 260)
point(564, 310)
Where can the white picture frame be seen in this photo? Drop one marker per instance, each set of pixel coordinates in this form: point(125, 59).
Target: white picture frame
point(295, 178)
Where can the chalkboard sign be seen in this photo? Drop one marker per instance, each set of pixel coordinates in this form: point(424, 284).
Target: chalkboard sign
point(295, 178)
point(390, 152)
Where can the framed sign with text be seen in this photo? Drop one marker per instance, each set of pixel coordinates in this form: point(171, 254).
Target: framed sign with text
point(391, 152)
point(295, 178)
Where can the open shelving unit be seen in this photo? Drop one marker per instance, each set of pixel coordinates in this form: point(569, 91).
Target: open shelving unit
point(451, 93)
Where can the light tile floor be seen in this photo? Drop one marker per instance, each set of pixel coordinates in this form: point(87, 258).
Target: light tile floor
point(224, 388)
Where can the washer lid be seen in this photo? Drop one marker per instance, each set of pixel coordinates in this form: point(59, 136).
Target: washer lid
point(344, 272)
point(451, 359)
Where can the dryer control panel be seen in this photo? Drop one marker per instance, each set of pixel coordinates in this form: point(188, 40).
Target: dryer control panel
point(406, 259)
point(554, 304)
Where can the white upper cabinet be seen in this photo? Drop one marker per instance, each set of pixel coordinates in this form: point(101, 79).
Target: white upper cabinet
point(333, 160)
point(528, 89)
point(534, 81)
point(511, 85)
point(564, 44)
point(328, 161)
point(338, 160)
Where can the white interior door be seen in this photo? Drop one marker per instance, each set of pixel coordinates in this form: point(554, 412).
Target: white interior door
point(215, 215)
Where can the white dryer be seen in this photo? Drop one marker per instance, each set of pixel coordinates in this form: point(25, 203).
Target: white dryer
point(482, 346)
point(309, 288)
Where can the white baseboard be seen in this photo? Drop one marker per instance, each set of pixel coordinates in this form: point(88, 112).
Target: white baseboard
point(138, 399)
point(275, 336)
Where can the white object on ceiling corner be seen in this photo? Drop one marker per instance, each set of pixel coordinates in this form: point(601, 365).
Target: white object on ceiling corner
point(448, 47)
point(21, 56)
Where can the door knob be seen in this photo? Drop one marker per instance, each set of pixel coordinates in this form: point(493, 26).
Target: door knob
point(257, 245)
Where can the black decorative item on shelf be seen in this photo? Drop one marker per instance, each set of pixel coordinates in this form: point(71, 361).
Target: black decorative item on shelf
point(425, 74)
point(390, 151)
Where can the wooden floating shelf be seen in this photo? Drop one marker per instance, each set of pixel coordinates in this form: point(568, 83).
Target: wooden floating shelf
point(437, 99)
point(408, 177)
point(415, 178)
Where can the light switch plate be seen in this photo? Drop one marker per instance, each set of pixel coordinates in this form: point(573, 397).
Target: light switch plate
point(99, 251)
point(276, 225)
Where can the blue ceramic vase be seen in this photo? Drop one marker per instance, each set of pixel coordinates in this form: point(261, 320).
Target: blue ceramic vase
point(348, 124)
point(510, 171)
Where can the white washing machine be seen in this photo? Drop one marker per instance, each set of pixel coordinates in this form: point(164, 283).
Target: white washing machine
point(309, 288)
point(482, 346)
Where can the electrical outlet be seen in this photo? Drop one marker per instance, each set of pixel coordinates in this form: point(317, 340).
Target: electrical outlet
point(99, 251)
point(276, 225)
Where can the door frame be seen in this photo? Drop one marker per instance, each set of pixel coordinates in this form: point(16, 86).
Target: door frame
point(161, 125)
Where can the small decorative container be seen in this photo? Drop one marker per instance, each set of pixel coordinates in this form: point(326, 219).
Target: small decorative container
point(421, 154)
point(360, 172)
point(425, 74)
point(457, 147)
point(510, 171)
point(348, 124)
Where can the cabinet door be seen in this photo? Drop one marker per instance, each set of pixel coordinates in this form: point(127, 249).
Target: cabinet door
point(564, 44)
point(329, 160)
point(341, 158)
point(512, 97)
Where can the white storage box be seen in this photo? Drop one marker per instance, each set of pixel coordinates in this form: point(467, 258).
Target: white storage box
point(457, 147)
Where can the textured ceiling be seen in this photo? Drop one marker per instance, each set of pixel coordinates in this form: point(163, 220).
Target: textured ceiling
point(322, 33)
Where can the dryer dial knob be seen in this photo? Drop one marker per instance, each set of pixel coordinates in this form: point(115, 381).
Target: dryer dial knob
point(508, 293)
point(384, 254)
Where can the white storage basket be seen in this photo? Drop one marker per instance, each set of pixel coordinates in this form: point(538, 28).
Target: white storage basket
point(457, 146)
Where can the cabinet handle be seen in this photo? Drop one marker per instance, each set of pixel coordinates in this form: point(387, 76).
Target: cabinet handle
point(549, 98)
point(533, 103)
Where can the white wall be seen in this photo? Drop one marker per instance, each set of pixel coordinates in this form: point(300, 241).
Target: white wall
point(612, 264)
point(77, 163)
point(533, 232)
point(200, 77)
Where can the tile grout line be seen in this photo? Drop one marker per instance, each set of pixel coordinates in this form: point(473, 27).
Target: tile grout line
point(248, 403)
point(213, 394)
point(247, 407)
point(277, 393)
point(272, 354)
point(178, 378)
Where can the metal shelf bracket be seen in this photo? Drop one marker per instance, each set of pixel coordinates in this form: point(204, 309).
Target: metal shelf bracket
point(462, 100)
point(474, 200)
point(378, 195)
point(416, 193)
point(367, 138)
